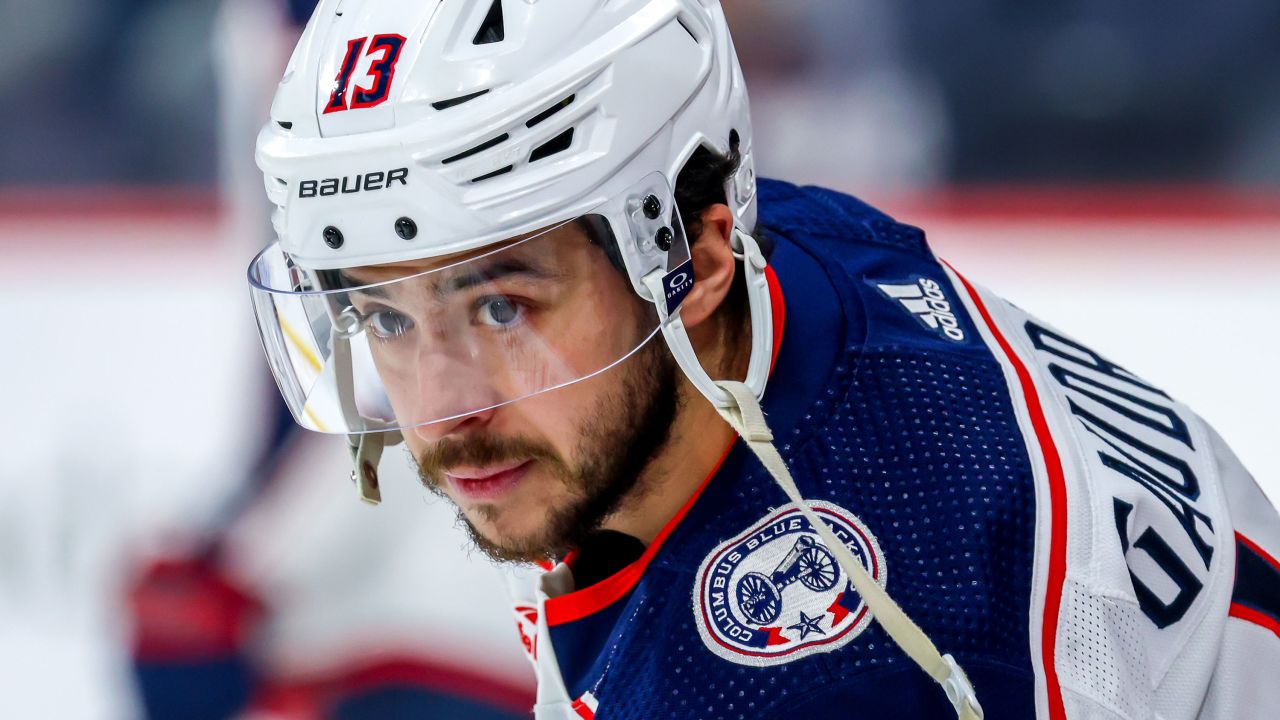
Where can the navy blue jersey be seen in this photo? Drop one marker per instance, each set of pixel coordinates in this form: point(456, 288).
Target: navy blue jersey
point(984, 468)
point(899, 426)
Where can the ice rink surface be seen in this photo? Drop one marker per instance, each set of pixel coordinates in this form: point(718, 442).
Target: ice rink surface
point(131, 367)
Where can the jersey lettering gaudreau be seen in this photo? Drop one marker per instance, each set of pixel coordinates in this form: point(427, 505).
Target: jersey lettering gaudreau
point(1069, 532)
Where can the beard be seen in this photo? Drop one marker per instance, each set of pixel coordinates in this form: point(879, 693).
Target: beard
point(618, 437)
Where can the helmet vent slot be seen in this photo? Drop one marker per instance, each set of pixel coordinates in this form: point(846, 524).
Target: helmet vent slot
point(477, 149)
point(451, 102)
point(687, 29)
point(557, 144)
point(494, 174)
point(285, 124)
point(546, 114)
point(492, 29)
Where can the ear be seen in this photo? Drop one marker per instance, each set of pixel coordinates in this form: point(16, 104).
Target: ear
point(713, 267)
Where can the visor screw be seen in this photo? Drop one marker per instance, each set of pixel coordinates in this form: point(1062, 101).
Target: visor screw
point(406, 228)
point(333, 237)
point(664, 239)
point(652, 207)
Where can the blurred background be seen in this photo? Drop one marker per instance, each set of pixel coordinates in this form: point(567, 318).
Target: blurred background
point(169, 548)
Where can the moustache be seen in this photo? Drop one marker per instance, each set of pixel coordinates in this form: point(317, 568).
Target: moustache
point(479, 451)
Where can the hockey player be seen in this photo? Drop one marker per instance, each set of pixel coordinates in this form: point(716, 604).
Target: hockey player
point(489, 211)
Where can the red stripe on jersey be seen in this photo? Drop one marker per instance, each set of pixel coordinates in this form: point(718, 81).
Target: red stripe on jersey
point(583, 710)
point(1057, 507)
point(580, 604)
point(1258, 549)
point(1254, 598)
point(779, 309)
point(1260, 619)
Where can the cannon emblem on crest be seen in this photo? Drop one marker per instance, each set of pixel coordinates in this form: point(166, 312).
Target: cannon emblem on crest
point(811, 564)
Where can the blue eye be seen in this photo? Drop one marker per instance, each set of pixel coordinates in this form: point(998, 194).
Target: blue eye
point(387, 324)
point(499, 311)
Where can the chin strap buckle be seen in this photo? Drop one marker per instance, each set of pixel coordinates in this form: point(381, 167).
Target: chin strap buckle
point(366, 450)
point(960, 691)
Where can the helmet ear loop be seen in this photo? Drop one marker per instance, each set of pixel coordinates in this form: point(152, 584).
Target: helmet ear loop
point(761, 307)
point(746, 249)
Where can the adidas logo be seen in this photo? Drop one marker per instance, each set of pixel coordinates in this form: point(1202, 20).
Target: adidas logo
point(928, 303)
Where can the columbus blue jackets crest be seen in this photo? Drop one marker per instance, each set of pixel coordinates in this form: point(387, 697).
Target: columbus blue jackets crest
point(774, 593)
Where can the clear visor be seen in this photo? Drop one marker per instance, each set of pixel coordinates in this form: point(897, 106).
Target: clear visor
point(388, 347)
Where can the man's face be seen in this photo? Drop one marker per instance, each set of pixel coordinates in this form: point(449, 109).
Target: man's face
point(529, 478)
point(548, 470)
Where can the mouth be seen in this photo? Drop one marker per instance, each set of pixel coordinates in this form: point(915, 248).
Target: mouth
point(487, 483)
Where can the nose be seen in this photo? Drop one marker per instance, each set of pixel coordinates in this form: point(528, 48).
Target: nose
point(437, 431)
point(454, 395)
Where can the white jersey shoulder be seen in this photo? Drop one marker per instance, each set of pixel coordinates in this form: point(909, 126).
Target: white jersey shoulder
point(1139, 509)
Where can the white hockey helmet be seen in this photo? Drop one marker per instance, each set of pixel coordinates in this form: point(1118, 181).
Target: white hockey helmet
point(481, 133)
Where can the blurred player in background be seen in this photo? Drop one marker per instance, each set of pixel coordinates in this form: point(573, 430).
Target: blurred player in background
point(293, 604)
point(488, 211)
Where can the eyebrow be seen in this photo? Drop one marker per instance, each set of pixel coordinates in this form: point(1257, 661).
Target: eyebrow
point(497, 270)
point(351, 284)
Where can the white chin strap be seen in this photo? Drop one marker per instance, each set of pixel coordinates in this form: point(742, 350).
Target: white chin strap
point(745, 416)
point(746, 249)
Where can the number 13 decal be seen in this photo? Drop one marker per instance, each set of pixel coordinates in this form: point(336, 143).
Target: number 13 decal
point(381, 71)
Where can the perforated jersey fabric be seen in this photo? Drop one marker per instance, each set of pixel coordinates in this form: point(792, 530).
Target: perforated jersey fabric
point(875, 412)
point(1102, 653)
